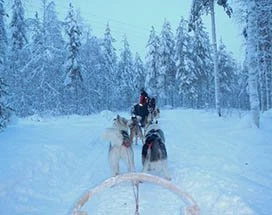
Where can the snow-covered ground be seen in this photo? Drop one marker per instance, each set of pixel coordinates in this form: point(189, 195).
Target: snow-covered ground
point(46, 164)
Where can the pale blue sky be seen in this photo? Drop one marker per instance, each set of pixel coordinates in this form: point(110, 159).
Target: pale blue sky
point(135, 18)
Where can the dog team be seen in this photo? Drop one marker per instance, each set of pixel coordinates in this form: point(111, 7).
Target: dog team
point(122, 135)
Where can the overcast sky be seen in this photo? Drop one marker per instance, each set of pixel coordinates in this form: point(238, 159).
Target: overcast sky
point(135, 18)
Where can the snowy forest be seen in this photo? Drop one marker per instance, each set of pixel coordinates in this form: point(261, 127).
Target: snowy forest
point(53, 66)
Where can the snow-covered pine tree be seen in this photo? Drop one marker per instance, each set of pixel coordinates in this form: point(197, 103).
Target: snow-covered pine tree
point(55, 52)
point(18, 26)
point(36, 68)
point(3, 35)
point(139, 74)
point(227, 68)
point(44, 79)
point(152, 65)
point(109, 78)
point(264, 49)
point(126, 76)
point(167, 72)
point(4, 109)
point(52, 26)
point(73, 81)
point(202, 65)
point(182, 50)
point(92, 68)
point(256, 15)
point(184, 63)
point(199, 7)
point(18, 59)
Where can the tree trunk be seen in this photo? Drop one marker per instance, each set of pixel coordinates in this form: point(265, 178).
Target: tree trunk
point(215, 62)
point(252, 63)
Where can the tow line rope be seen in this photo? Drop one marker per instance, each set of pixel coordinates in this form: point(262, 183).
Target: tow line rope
point(136, 196)
point(135, 186)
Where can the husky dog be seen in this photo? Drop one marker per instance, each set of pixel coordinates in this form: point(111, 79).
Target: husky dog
point(135, 129)
point(120, 145)
point(154, 154)
point(153, 115)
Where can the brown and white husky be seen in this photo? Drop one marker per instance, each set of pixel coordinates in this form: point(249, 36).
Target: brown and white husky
point(120, 145)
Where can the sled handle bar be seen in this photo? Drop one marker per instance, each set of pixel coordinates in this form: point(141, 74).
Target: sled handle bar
point(191, 209)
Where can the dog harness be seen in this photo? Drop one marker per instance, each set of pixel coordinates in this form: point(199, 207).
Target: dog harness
point(155, 143)
point(126, 141)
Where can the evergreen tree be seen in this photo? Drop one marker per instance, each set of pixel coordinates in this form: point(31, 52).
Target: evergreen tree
point(152, 64)
point(264, 51)
point(4, 109)
point(227, 68)
point(54, 56)
point(256, 16)
point(3, 35)
point(44, 78)
point(36, 68)
point(18, 59)
point(200, 7)
point(73, 79)
point(139, 74)
point(109, 90)
point(167, 78)
point(52, 27)
point(202, 62)
point(126, 76)
point(243, 92)
point(92, 69)
point(185, 64)
point(182, 49)
point(18, 26)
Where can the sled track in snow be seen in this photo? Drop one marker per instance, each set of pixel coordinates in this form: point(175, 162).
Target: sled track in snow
point(190, 209)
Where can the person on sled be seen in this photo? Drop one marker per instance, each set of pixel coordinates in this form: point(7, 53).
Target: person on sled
point(141, 109)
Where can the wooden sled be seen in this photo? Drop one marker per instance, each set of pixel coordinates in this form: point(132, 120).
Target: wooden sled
point(190, 209)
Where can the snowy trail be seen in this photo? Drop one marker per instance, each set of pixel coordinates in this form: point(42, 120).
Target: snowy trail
point(46, 164)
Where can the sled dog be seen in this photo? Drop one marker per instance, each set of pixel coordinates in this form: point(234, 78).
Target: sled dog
point(154, 154)
point(135, 130)
point(153, 115)
point(120, 145)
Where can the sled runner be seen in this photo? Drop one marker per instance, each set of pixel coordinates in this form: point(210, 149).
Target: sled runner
point(190, 209)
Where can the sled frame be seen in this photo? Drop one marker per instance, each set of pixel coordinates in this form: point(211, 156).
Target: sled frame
point(190, 209)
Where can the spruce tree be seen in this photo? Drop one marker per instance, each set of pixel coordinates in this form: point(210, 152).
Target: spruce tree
point(199, 7)
point(18, 59)
point(92, 68)
point(202, 61)
point(73, 80)
point(126, 74)
point(227, 68)
point(264, 50)
point(167, 78)
point(152, 64)
point(184, 62)
point(139, 74)
point(5, 111)
point(55, 52)
point(109, 79)
point(3, 35)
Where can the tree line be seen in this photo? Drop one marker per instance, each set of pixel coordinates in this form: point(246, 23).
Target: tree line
point(52, 66)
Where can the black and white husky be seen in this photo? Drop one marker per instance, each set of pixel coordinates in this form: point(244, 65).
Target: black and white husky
point(154, 154)
point(120, 145)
